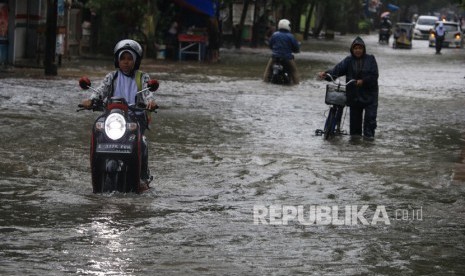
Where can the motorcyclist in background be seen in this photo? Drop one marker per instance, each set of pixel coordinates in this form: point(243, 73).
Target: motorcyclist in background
point(283, 44)
point(125, 82)
point(385, 28)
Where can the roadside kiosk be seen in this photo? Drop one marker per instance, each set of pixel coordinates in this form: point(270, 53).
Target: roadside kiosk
point(192, 44)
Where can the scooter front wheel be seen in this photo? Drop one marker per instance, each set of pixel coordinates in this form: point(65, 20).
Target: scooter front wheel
point(98, 176)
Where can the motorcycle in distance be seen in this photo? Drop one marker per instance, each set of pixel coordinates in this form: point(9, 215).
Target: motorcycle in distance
point(280, 72)
point(384, 35)
point(385, 28)
point(116, 140)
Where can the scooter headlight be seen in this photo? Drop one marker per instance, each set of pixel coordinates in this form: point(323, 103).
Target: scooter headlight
point(115, 126)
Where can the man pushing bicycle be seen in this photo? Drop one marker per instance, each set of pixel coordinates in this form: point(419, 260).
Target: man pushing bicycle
point(362, 96)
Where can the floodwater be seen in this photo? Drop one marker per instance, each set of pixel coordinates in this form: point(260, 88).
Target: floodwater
point(239, 174)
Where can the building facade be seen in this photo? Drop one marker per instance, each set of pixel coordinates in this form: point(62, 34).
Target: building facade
point(23, 25)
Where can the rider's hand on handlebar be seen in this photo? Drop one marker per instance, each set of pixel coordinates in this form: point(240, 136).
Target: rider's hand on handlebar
point(153, 85)
point(321, 75)
point(86, 104)
point(152, 105)
point(359, 83)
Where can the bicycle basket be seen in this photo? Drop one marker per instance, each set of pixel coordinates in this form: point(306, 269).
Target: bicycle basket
point(335, 94)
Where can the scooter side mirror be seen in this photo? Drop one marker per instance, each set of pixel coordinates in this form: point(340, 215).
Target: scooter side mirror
point(84, 83)
point(153, 85)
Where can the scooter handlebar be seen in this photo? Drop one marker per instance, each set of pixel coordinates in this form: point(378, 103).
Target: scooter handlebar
point(142, 107)
point(97, 104)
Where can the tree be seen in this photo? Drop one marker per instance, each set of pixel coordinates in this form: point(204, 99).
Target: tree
point(50, 39)
point(309, 19)
point(239, 27)
point(120, 19)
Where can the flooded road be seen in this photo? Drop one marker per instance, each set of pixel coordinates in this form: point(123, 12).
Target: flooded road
point(239, 174)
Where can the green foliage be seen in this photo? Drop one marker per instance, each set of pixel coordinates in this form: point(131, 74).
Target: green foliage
point(125, 18)
point(364, 26)
point(288, 3)
point(118, 19)
point(165, 17)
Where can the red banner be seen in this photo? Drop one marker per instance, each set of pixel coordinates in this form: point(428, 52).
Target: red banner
point(3, 20)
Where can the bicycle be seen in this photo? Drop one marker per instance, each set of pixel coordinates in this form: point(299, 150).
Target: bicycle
point(336, 98)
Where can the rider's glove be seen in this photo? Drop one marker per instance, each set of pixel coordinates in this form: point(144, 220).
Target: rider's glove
point(153, 85)
point(84, 82)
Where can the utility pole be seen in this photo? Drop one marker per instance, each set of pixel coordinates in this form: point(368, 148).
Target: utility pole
point(50, 39)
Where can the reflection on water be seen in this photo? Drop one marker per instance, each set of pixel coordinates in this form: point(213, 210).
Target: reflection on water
point(110, 249)
point(221, 145)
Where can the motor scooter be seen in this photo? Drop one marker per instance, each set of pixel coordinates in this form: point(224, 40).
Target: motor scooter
point(279, 72)
point(116, 145)
point(384, 35)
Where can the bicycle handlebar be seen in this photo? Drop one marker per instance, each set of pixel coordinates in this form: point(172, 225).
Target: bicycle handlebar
point(334, 81)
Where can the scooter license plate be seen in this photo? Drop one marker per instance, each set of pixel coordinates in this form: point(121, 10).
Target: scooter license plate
point(114, 148)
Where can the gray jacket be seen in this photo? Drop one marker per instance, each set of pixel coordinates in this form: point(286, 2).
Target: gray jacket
point(107, 87)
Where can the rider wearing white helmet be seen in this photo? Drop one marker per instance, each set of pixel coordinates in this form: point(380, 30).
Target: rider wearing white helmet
point(284, 24)
point(283, 44)
point(130, 46)
point(125, 82)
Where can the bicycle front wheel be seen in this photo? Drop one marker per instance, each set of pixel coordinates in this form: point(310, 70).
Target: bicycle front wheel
point(330, 124)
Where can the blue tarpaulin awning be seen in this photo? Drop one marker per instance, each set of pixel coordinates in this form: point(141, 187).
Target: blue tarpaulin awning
point(392, 7)
point(201, 6)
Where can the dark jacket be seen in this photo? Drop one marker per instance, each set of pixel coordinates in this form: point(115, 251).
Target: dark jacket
point(283, 44)
point(364, 68)
point(386, 23)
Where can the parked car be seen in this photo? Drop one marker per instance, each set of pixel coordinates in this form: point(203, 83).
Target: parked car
point(453, 36)
point(423, 26)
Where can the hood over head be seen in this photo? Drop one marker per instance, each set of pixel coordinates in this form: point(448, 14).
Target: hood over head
point(358, 41)
point(133, 54)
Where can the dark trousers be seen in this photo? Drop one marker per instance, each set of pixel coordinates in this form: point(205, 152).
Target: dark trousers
point(144, 170)
point(142, 119)
point(365, 122)
point(292, 71)
point(439, 40)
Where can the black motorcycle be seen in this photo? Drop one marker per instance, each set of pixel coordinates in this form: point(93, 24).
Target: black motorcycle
point(279, 72)
point(384, 35)
point(116, 146)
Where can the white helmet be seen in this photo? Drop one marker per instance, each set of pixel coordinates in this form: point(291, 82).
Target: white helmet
point(131, 45)
point(284, 24)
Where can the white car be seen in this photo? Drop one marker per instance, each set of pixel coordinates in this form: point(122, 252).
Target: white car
point(453, 37)
point(423, 26)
